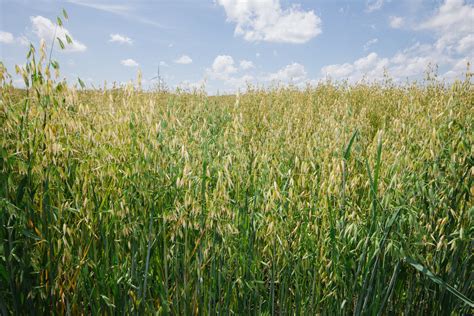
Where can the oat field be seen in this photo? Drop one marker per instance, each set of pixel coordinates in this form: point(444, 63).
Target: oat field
point(336, 199)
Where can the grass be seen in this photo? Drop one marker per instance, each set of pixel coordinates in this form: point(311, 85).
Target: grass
point(336, 199)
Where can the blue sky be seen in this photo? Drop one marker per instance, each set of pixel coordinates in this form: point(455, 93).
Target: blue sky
point(226, 44)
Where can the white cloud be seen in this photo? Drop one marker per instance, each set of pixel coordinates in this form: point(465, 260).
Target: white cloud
point(9, 38)
point(453, 47)
point(370, 43)
point(225, 70)
point(337, 70)
point(459, 69)
point(265, 20)
point(121, 39)
point(373, 5)
point(466, 45)
point(192, 85)
point(45, 29)
point(222, 67)
point(184, 60)
point(453, 13)
point(6, 37)
point(452, 22)
point(291, 73)
point(396, 22)
point(129, 62)
point(404, 64)
point(408, 63)
point(370, 62)
point(414, 60)
point(372, 67)
point(164, 64)
point(246, 64)
point(239, 82)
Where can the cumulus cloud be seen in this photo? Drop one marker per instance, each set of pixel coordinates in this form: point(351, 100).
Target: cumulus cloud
point(451, 50)
point(235, 75)
point(222, 67)
point(45, 29)
point(121, 39)
point(466, 45)
point(192, 85)
point(9, 38)
point(6, 37)
point(371, 62)
point(371, 66)
point(266, 20)
point(458, 68)
point(452, 22)
point(337, 70)
point(396, 22)
point(246, 64)
point(292, 73)
point(184, 60)
point(453, 13)
point(407, 63)
point(239, 82)
point(129, 62)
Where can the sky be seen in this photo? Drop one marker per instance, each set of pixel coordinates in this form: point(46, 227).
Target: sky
point(224, 45)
